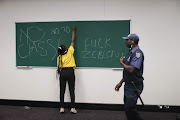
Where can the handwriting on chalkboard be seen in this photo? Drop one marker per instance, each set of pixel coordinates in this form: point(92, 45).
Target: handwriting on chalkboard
point(30, 43)
point(66, 29)
point(96, 48)
point(99, 48)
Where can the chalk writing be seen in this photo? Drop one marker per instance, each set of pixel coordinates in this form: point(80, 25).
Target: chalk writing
point(30, 44)
point(64, 29)
point(49, 41)
point(100, 54)
point(97, 43)
point(55, 31)
point(92, 47)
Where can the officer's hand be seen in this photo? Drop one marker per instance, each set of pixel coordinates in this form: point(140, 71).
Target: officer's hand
point(121, 60)
point(118, 86)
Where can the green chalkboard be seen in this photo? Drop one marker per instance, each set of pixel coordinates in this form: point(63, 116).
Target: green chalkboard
point(97, 43)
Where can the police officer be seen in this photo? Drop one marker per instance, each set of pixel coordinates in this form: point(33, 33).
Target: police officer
point(133, 71)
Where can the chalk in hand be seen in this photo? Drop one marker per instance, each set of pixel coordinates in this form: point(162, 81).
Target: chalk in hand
point(122, 56)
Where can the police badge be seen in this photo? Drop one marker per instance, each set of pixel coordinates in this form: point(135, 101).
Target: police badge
point(138, 55)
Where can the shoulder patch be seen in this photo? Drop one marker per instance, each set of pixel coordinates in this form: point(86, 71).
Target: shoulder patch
point(138, 55)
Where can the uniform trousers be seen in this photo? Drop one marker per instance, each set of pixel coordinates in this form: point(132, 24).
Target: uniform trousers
point(67, 75)
point(130, 100)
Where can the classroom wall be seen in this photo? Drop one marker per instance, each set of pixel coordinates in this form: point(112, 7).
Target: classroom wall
point(156, 23)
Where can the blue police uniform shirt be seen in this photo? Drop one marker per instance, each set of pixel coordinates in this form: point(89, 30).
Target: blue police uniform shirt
point(134, 58)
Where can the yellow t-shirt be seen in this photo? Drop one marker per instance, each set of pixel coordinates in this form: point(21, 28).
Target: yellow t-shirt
point(67, 59)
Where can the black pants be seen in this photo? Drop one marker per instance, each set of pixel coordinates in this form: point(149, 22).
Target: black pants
point(67, 75)
point(130, 100)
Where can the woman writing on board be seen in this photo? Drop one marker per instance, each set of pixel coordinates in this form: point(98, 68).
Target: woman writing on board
point(66, 66)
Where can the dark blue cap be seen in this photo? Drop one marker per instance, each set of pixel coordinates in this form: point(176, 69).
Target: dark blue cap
point(132, 37)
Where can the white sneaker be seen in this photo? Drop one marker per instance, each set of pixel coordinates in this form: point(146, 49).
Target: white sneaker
point(73, 110)
point(61, 110)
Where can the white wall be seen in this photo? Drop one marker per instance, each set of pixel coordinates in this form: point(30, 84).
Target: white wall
point(156, 22)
